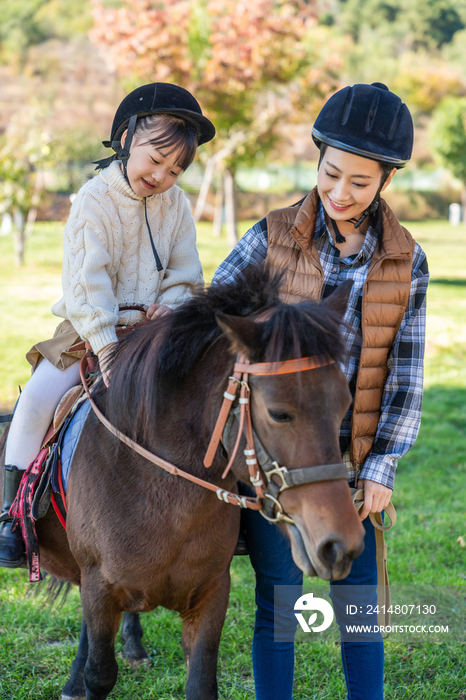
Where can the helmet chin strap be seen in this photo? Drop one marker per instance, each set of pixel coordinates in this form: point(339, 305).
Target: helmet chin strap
point(124, 153)
point(124, 156)
point(356, 222)
point(371, 209)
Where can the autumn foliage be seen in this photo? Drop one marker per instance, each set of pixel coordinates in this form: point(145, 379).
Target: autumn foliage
point(231, 54)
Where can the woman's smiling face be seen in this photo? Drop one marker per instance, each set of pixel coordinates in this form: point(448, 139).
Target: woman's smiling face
point(347, 184)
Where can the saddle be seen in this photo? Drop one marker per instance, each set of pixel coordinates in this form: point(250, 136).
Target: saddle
point(50, 488)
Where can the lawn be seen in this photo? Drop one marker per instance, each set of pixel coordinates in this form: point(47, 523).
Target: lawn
point(37, 643)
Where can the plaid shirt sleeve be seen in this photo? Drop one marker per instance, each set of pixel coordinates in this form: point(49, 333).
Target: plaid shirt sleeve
point(252, 249)
point(402, 397)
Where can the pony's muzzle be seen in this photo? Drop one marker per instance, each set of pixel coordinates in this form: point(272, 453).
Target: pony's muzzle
point(331, 551)
point(335, 556)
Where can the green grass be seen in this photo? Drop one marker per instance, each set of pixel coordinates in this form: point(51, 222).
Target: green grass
point(37, 643)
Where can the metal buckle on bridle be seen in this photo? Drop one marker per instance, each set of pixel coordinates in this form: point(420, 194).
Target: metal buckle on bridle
point(281, 516)
point(279, 471)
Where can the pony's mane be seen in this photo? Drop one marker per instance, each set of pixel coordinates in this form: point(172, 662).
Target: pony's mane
point(159, 356)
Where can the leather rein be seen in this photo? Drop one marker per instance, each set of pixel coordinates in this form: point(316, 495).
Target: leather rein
point(257, 457)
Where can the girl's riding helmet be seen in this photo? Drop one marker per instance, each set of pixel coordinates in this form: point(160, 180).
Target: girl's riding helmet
point(369, 121)
point(155, 98)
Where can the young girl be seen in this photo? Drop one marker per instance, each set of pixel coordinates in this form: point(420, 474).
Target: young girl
point(130, 239)
point(344, 230)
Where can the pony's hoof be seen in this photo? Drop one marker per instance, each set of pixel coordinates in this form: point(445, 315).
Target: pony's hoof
point(136, 664)
point(74, 689)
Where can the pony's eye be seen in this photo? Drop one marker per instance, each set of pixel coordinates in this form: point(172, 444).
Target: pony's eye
point(280, 416)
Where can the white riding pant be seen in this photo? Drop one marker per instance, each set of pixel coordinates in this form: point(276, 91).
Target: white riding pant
point(35, 410)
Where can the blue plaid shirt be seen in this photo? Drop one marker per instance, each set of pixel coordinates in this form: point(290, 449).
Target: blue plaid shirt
point(402, 397)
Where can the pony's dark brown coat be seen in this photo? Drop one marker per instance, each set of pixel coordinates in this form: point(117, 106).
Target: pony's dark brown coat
point(138, 537)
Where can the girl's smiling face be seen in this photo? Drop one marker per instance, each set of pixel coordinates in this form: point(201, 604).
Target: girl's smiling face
point(347, 183)
point(151, 170)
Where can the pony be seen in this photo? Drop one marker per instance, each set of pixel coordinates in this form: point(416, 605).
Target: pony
point(138, 537)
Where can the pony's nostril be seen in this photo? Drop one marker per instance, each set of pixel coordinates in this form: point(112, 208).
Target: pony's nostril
point(330, 552)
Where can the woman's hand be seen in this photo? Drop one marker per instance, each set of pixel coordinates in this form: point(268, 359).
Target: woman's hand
point(157, 311)
point(104, 356)
point(376, 497)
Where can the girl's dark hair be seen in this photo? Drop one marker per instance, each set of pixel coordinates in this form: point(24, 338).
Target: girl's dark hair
point(172, 133)
point(377, 217)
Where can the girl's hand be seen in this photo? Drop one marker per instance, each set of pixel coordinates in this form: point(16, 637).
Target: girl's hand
point(103, 356)
point(376, 497)
point(157, 311)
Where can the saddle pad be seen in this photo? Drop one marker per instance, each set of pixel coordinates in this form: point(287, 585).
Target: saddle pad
point(71, 439)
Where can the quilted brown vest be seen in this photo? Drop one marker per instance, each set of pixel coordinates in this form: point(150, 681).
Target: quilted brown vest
point(292, 250)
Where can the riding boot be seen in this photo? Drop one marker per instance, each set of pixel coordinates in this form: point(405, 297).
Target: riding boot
point(12, 549)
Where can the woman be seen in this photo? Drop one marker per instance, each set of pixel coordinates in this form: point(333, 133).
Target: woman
point(344, 230)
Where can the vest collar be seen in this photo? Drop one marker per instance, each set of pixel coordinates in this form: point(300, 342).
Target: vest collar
point(396, 244)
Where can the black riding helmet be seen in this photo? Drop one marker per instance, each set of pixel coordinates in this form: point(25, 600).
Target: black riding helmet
point(155, 98)
point(368, 121)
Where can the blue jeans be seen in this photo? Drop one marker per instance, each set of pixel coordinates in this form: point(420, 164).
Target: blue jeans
point(273, 662)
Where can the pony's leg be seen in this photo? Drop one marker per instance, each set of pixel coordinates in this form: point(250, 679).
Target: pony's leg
point(74, 689)
point(102, 617)
point(131, 633)
point(202, 629)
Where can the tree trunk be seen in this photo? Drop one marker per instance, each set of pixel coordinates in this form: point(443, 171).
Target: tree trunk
point(233, 142)
point(230, 207)
point(31, 220)
point(18, 236)
point(35, 201)
point(204, 191)
point(218, 211)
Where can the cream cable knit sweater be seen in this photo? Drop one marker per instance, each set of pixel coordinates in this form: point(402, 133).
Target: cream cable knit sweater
point(108, 258)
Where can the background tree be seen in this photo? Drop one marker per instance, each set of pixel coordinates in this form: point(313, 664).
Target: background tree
point(27, 23)
point(448, 139)
point(24, 147)
point(251, 63)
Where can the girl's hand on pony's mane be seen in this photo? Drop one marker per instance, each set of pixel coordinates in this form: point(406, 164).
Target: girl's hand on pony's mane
point(157, 311)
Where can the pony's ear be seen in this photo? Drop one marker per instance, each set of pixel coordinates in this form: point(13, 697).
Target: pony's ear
point(338, 299)
point(243, 333)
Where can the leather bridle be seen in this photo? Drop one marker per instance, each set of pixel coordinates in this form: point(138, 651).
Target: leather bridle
point(257, 457)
